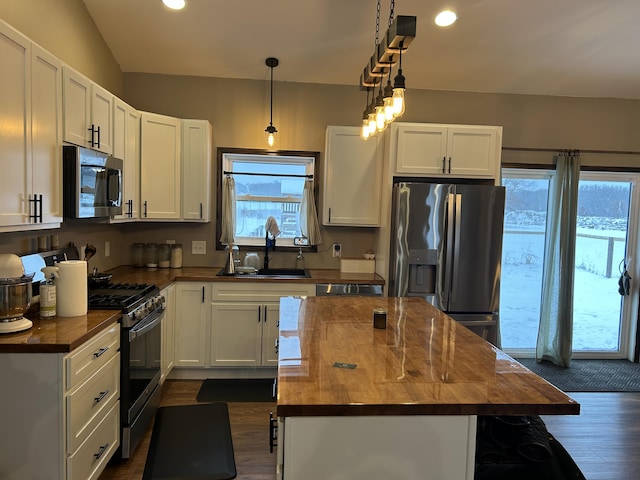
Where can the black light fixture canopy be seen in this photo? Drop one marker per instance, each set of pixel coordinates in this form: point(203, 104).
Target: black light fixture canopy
point(271, 130)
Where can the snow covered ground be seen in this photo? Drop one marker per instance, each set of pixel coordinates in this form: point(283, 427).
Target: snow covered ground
point(597, 302)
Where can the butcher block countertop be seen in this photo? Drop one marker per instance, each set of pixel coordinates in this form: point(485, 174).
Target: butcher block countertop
point(59, 334)
point(164, 276)
point(333, 362)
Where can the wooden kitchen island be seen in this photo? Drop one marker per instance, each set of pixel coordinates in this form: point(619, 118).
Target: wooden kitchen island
point(356, 402)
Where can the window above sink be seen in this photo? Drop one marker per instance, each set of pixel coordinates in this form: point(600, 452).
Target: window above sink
point(266, 184)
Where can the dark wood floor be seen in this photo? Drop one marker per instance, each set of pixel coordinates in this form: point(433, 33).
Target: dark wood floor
point(603, 440)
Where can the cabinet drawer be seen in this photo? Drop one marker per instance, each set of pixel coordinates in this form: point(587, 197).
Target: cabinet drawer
point(93, 354)
point(259, 291)
point(87, 405)
point(88, 462)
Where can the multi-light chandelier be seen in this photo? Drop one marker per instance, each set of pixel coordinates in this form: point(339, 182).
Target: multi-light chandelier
point(389, 104)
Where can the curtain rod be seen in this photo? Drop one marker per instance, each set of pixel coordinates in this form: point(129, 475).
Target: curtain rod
point(530, 149)
point(268, 174)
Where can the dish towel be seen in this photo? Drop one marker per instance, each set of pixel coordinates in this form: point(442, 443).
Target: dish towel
point(272, 226)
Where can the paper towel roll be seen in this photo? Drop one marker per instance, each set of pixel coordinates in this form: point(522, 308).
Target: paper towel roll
point(71, 288)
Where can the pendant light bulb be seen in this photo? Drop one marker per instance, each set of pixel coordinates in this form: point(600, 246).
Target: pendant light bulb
point(364, 131)
point(271, 130)
point(372, 118)
point(388, 102)
point(271, 135)
point(398, 89)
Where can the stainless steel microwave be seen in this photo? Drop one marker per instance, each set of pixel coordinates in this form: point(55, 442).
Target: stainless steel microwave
point(92, 183)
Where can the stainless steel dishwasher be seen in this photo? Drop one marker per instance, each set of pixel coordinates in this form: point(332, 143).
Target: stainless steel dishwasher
point(348, 289)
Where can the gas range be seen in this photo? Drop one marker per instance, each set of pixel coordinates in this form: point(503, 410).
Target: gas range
point(137, 301)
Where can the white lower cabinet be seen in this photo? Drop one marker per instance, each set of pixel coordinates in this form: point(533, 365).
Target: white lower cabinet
point(244, 322)
point(168, 332)
point(430, 447)
point(60, 412)
point(193, 301)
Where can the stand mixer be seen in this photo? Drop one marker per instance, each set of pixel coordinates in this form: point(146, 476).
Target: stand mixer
point(15, 294)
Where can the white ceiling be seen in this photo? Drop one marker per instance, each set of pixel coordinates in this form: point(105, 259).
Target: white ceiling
point(587, 48)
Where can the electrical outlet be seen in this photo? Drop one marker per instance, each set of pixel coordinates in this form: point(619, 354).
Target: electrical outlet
point(107, 248)
point(199, 247)
point(337, 250)
point(171, 242)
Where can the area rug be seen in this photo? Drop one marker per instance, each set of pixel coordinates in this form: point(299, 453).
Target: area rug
point(191, 442)
point(589, 375)
point(236, 390)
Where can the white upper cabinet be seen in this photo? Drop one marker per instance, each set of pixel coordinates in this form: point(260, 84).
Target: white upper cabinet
point(88, 113)
point(30, 101)
point(160, 167)
point(352, 178)
point(126, 146)
point(196, 170)
point(433, 150)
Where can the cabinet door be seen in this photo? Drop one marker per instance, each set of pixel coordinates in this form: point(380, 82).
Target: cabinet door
point(127, 136)
point(270, 334)
point(192, 300)
point(420, 149)
point(353, 178)
point(160, 184)
point(473, 151)
point(46, 121)
point(15, 107)
point(102, 118)
point(168, 332)
point(76, 95)
point(119, 128)
point(236, 334)
point(196, 170)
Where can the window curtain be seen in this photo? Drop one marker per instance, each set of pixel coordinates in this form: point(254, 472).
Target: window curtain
point(227, 234)
point(309, 226)
point(555, 332)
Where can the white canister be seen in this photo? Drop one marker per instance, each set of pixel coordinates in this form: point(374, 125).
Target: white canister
point(72, 294)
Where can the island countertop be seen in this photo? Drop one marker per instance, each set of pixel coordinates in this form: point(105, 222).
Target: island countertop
point(333, 362)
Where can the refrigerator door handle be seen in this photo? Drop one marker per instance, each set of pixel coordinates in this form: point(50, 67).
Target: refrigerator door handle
point(455, 251)
point(448, 250)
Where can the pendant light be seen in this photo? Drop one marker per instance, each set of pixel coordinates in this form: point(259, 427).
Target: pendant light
point(389, 103)
point(398, 89)
point(271, 131)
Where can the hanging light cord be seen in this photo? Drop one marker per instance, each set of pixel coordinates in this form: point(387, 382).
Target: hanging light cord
point(271, 101)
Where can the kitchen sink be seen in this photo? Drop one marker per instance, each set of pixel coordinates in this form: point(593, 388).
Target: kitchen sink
point(283, 272)
point(272, 272)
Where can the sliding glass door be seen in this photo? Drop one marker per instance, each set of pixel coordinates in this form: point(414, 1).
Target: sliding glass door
point(606, 242)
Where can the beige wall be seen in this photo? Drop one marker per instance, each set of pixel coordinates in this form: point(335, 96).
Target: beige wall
point(64, 28)
point(239, 112)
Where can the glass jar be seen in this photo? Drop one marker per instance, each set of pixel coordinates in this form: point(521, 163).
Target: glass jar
point(164, 255)
point(151, 255)
point(176, 256)
point(137, 254)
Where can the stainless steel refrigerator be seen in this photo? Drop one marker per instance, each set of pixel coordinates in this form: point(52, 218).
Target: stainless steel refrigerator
point(446, 246)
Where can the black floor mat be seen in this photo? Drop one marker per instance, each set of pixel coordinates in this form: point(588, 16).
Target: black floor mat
point(589, 375)
point(191, 442)
point(236, 390)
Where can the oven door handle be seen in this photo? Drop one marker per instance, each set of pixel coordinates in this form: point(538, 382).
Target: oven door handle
point(144, 327)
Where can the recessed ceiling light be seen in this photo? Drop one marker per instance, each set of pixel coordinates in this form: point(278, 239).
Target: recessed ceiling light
point(446, 18)
point(174, 4)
